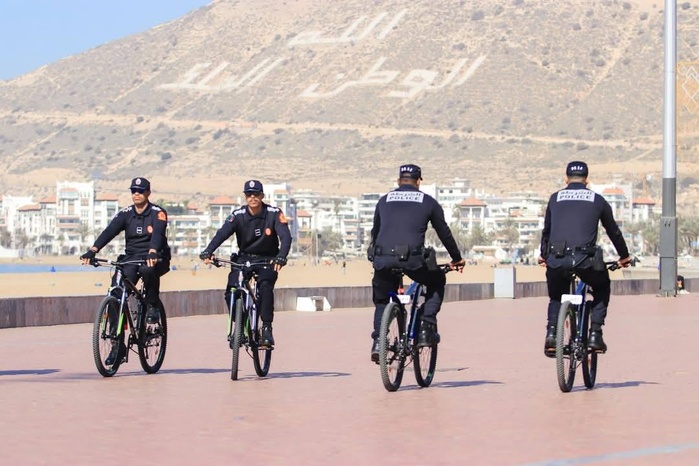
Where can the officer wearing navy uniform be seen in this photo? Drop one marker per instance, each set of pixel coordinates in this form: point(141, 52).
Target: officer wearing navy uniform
point(144, 225)
point(569, 241)
point(262, 232)
point(401, 219)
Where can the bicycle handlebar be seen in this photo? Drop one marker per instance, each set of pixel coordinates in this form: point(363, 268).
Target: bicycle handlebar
point(98, 262)
point(220, 262)
point(612, 265)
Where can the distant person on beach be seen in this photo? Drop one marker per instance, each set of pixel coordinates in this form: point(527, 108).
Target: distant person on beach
point(569, 242)
point(401, 219)
point(680, 285)
point(261, 231)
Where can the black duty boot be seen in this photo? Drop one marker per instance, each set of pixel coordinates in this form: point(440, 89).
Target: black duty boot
point(266, 338)
point(152, 314)
point(596, 342)
point(117, 353)
point(375, 350)
point(550, 342)
point(428, 335)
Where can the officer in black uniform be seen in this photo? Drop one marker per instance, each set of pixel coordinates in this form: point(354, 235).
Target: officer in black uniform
point(144, 226)
point(259, 230)
point(569, 241)
point(397, 241)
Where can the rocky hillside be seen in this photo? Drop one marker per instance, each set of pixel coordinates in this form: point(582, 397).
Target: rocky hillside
point(334, 94)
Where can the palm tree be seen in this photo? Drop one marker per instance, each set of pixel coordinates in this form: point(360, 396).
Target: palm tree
point(5, 238)
point(651, 236)
point(689, 233)
point(479, 237)
point(509, 233)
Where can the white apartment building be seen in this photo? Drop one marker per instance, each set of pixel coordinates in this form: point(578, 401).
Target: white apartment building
point(69, 221)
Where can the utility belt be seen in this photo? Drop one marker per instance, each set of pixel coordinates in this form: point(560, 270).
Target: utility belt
point(402, 252)
point(588, 256)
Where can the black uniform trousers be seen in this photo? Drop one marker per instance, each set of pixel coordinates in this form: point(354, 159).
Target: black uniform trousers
point(150, 275)
point(558, 282)
point(386, 280)
point(266, 279)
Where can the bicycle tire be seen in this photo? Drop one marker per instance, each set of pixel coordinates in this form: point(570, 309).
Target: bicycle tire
point(565, 336)
point(392, 338)
point(261, 356)
point(589, 363)
point(102, 342)
point(152, 341)
point(424, 359)
point(237, 340)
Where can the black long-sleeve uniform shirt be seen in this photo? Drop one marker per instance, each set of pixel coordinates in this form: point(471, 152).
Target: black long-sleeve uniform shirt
point(401, 218)
point(573, 215)
point(265, 234)
point(143, 231)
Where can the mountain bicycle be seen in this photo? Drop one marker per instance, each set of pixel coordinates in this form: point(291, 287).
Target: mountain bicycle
point(572, 333)
point(244, 322)
point(398, 337)
point(122, 322)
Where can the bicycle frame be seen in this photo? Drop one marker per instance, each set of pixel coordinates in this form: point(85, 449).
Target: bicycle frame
point(122, 290)
point(415, 291)
point(246, 291)
point(412, 296)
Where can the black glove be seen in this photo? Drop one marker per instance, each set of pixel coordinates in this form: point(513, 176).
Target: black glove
point(279, 260)
point(152, 255)
point(89, 254)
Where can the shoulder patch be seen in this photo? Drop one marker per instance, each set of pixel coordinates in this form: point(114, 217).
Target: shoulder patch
point(127, 209)
point(157, 208)
point(240, 211)
point(162, 216)
point(282, 218)
point(272, 209)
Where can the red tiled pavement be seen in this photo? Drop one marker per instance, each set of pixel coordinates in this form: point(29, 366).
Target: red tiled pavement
point(494, 401)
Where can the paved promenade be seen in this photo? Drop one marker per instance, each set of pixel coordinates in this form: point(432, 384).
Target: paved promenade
point(494, 401)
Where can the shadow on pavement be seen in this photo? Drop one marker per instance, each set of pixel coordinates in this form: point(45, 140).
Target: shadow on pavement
point(630, 383)
point(454, 384)
point(293, 375)
point(29, 372)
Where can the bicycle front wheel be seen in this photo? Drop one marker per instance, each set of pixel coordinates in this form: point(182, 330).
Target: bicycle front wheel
point(391, 344)
point(105, 337)
point(424, 364)
point(152, 340)
point(237, 338)
point(261, 355)
point(565, 338)
point(589, 365)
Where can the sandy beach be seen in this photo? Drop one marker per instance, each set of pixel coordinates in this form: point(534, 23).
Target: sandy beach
point(298, 273)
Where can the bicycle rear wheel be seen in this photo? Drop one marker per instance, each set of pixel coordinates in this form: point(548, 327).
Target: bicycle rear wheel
point(589, 364)
point(152, 340)
point(565, 337)
point(261, 355)
point(237, 337)
point(104, 336)
point(391, 344)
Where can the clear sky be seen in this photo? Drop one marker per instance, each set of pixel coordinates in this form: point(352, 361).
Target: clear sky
point(34, 33)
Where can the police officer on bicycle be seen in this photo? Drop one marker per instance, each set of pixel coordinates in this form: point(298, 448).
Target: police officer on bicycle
point(397, 242)
point(569, 242)
point(262, 232)
point(144, 225)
